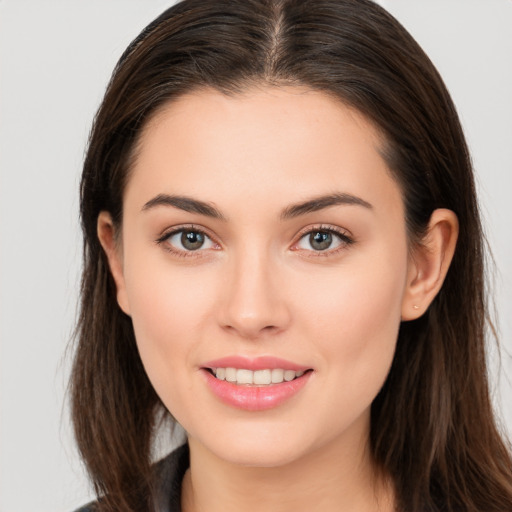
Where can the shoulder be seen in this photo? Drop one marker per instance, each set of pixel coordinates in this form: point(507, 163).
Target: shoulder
point(169, 473)
point(86, 508)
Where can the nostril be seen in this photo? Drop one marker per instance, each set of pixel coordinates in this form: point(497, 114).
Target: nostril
point(251, 330)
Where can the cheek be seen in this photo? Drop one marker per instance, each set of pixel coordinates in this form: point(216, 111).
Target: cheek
point(354, 315)
point(363, 297)
point(169, 306)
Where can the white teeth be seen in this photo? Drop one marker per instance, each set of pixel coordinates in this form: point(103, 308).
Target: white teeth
point(244, 377)
point(289, 375)
point(259, 377)
point(231, 374)
point(262, 377)
point(277, 375)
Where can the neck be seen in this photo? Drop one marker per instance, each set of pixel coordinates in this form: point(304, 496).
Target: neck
point(338, 476)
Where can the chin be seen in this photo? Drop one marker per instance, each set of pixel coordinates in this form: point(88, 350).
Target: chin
point(264, 444)
point(258, 454)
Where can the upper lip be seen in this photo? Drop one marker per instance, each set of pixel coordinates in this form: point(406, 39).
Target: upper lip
point(254, 363)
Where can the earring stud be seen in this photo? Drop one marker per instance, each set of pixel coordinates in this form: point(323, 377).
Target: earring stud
point(416, 307)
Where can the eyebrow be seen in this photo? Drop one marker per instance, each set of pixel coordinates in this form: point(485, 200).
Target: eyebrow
point(321, 202)
point(188, 204)
point(184, 203)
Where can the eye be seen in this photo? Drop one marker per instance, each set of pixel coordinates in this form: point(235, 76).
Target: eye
point(323, 239)
point(187, 240)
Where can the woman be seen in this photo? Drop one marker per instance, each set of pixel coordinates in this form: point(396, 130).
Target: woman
point(283, 252)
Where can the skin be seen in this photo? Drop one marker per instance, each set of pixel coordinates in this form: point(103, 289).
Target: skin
point(258, 287)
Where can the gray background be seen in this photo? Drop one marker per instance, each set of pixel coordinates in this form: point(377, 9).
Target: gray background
point(55, 60)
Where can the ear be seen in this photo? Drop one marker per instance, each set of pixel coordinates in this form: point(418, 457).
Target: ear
point(429, 263)
point(107, 237)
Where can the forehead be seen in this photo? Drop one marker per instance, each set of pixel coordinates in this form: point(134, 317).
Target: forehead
point(287, 142)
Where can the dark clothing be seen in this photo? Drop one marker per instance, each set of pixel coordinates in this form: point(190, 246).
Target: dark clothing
point(170, 472)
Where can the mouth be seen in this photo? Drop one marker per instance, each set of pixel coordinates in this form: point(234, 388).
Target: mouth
point(263, 377)
point(255, 384)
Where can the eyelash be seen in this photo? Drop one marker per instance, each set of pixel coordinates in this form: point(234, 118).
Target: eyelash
point(182, 253)
point(344, 238)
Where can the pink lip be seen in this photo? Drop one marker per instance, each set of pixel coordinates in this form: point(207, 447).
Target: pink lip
point(254, 398)
point(257, 363)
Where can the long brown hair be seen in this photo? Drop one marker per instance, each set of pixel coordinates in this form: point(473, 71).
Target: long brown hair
point(432, 426)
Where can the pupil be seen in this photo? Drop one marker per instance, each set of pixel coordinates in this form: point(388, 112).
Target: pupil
point(320, 240)
point(192, 240)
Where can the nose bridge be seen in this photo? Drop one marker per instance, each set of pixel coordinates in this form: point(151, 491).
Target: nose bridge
point(253, 303)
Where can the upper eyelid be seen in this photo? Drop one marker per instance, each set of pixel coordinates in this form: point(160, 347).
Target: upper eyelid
point(345, 236)
point(163, 241)
point(324, 227)
point(166, 233)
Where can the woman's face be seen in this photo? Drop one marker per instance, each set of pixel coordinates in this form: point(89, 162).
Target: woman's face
point(263, 236)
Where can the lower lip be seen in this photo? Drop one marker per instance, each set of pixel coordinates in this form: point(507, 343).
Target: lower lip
point(255, 398)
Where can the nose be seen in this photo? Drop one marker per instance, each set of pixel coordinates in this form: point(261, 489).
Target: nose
point(252, 303)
